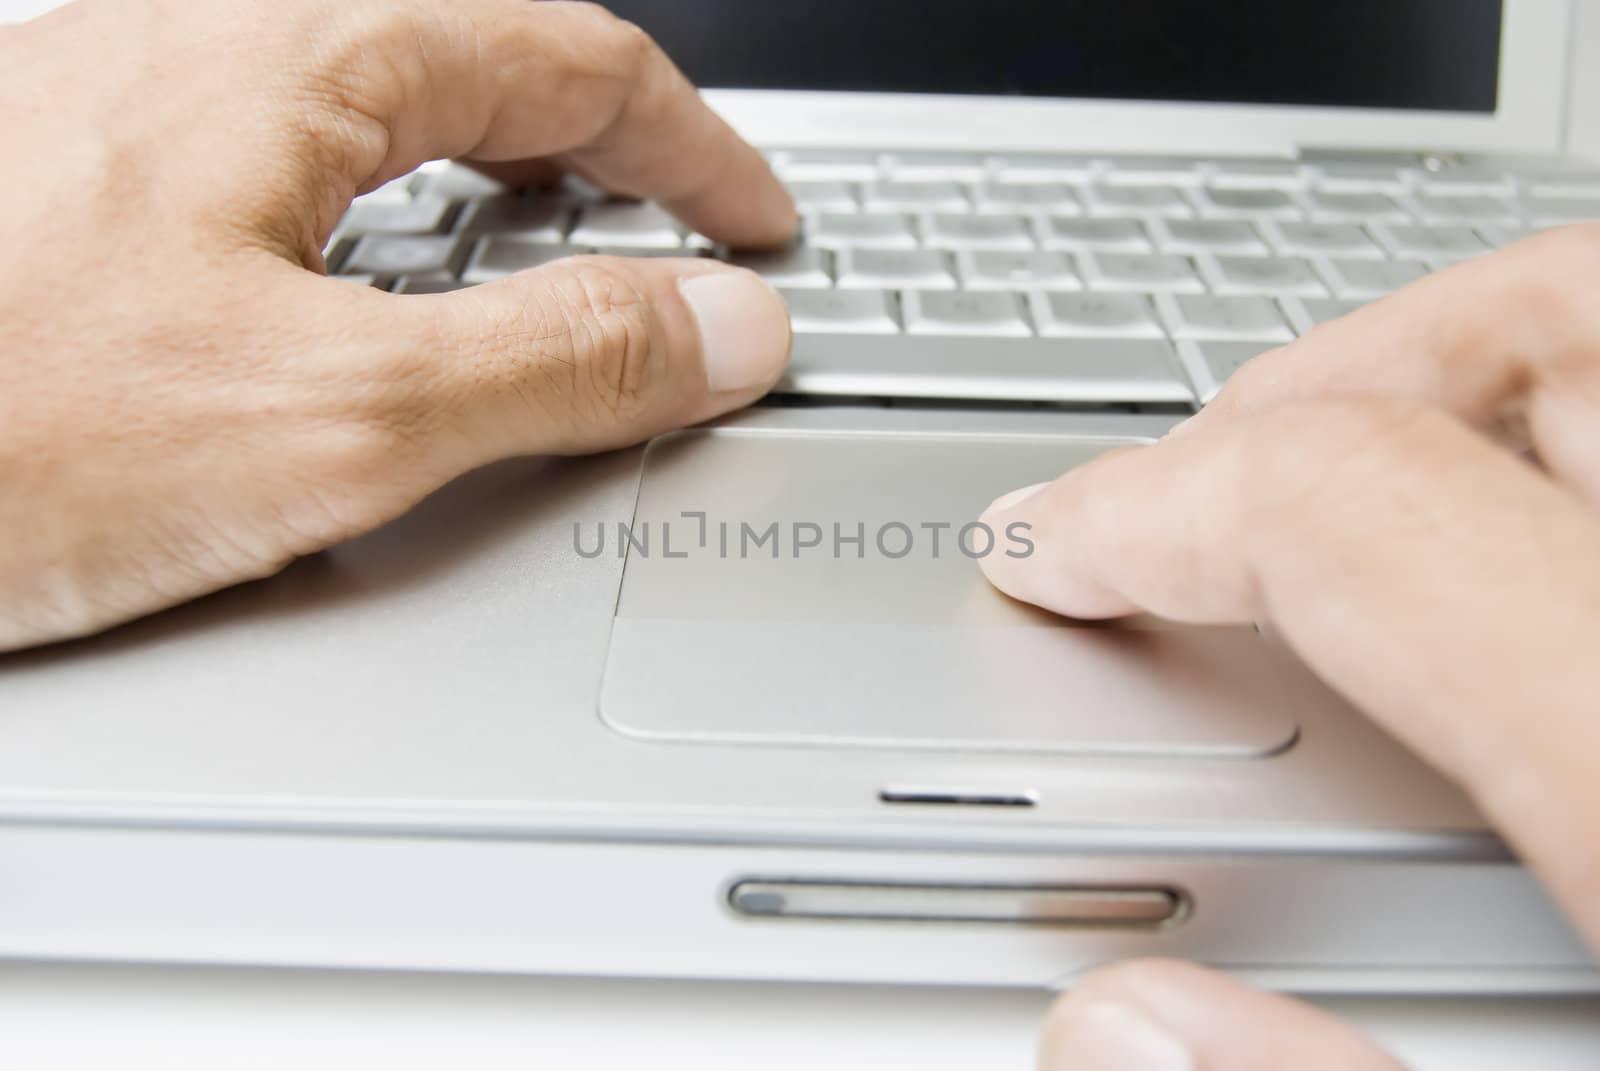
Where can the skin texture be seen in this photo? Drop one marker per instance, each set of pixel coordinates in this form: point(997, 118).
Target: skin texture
point(1411, 495)
point(186, 403)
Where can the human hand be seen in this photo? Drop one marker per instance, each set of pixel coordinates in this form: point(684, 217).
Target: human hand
point(185, 402)
point(1355, 489)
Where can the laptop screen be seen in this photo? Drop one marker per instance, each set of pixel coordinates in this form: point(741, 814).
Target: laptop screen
point(1439, 55)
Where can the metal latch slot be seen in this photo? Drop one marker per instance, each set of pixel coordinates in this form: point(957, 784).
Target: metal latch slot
point(1088, 906)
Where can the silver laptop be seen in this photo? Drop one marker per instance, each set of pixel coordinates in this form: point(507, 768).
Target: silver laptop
point(738, 704)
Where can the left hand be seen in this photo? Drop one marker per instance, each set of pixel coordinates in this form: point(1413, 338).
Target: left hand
point(186, 402)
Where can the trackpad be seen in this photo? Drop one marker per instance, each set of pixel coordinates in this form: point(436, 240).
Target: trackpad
point(823, 589)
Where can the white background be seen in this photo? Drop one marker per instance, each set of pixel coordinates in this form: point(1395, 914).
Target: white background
point(173, 1018)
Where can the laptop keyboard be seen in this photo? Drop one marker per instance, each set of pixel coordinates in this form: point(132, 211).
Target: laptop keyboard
point(1059, 279)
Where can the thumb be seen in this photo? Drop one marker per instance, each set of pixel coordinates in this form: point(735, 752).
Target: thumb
point(589, 354)
point(1162, 1015)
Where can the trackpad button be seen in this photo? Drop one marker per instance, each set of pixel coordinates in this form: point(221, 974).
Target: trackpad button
point(823, 589)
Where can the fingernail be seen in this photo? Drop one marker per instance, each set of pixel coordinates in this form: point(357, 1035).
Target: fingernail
point(1102, 1036)
point(744, 328)
point(1006, 501)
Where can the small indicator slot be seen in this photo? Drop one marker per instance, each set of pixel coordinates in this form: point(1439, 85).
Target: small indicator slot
point(939, 797)
point(1081, 906)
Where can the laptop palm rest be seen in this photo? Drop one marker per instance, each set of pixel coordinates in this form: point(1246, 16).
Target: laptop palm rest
point(822, 589)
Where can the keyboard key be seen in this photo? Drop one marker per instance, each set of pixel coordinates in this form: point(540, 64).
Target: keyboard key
point(889, 196)
point(1355, 208)
point(1357, 177)
point(1203, 316)
point(536, 219)
point(1141, 271)
point(1042, 167)
point(645, 252)
point(1464, 208)
point(985, 313)
point(1563, 183)
point(853, 312)
point(824, 196)
point(1110, 235)
point(895, 269)
point(335, 252)
point(997, 232)
point(394, 192)
point(1556, 211)
point(1247, 204)
point(1362, 279)
point(842, 230)
point(1258, 175)
point(397, 254)
point(1463, 180)
point(1264, 275)
point(1496, 236)
point(1148, 200)
point(578, 191)
point(456, 183)
point(1417, 242)
point(1068, 315)
point(1210, 364)
point(828, 165)
point(418, 215)
point(1017, 271)
point(1027, 196)
point(1085, 370)
point(1307, 313)
point(623, 223)
point(796, 268)
point(938, 166)
point(1207, 235)
point(1150, 171)
point(428, 284)
point(1322, 239)
point(497, 256)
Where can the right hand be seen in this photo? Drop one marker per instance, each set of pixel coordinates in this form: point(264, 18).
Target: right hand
point(1354, 489)
point(185, 402)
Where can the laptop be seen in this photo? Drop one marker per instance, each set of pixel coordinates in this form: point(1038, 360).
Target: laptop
point(737, 703)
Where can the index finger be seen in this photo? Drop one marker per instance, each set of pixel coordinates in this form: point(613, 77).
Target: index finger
point(1444, 586)
point(495, 81)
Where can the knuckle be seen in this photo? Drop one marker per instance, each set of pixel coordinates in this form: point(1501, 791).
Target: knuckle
point(599, 356)
point(621, 47)
point(397, 29)
point(631, 47)
point(637, 47)
point(366, 46)
point(592, 11)
point(611, 328)
point(331, 132)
